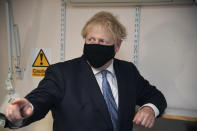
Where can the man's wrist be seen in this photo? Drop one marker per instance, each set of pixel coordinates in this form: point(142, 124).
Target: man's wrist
point(155, 109)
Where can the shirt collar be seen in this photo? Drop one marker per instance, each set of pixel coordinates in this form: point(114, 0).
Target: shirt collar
point(110, 69)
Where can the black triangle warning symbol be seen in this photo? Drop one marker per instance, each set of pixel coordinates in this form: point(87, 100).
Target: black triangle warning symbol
point(41, 60)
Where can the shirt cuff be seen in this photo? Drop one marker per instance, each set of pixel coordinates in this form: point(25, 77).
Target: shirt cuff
point(17, 125)
point(155, 109)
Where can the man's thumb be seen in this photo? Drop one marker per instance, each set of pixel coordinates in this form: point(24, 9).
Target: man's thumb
point(19, 101)
point(27, 111)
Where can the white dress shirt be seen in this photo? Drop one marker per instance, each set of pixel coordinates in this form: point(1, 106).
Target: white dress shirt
point(111, 77)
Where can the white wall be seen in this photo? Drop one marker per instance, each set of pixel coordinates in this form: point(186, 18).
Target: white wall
point(168, 50)
point(39, 27)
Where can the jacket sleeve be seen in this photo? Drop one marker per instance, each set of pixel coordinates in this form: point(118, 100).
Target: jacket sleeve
point(46, 96)
point(147, 93)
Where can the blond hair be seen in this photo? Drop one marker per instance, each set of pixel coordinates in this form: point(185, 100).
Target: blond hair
point(107, 21)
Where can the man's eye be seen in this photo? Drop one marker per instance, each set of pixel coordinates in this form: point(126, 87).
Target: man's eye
point(102, 41)
point(91, 39)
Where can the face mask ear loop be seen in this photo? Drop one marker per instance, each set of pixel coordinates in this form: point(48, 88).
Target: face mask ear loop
point(117, 46)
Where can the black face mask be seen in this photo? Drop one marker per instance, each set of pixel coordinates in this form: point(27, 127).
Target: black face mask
point(98, 55)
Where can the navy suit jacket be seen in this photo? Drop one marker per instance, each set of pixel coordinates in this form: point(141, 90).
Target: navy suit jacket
point(70, 90)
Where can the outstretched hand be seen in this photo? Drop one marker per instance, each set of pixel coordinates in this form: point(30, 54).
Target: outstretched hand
point(145, 117)
point(18, 109)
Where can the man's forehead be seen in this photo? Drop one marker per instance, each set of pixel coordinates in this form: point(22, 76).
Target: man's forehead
point(98, 28)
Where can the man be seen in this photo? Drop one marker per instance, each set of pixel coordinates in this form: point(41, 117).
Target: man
point(95, 92)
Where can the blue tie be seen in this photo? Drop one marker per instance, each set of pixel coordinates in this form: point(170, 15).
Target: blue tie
point(109, 99)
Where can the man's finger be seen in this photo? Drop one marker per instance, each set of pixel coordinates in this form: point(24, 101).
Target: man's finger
point(145, 121)
point(138, 118)
point(16, 116)
point(151, 123)
point(19, 101)
point(28, 111)
point(13, 114)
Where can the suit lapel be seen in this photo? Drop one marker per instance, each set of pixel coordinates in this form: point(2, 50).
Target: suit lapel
point(125, 96)
point(94, 91)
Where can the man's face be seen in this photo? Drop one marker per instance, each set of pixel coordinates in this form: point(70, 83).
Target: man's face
point(101, 36)
point(98, 35)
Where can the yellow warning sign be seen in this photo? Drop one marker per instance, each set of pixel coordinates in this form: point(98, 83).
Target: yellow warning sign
point(40, 64)
point(38, 72)
point(41, 60)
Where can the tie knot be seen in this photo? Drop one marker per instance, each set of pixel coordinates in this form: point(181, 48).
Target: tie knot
point(104, 73)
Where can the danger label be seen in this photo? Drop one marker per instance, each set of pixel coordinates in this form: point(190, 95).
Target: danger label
point(38, 72)
point(40, 64)
point(41, 60)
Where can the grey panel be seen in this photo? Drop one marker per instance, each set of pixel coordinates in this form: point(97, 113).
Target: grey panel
point(130, 1)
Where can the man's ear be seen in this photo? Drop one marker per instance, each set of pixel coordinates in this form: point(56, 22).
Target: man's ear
point(117, 46)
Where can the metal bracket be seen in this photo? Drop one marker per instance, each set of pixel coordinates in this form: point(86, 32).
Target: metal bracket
point(136, 36)
point(63, 30)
